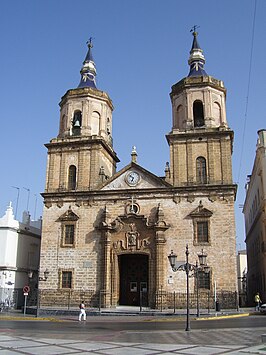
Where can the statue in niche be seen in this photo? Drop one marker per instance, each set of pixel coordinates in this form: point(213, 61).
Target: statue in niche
point(132, 239)
point(132, 235)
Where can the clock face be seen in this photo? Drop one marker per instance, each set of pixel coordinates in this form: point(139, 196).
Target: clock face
point(132, 178)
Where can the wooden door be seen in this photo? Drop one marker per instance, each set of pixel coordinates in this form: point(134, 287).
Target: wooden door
point(133, 279)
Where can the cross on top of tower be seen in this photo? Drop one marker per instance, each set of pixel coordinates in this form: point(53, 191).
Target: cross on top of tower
point(89, 43)
point(193, 29)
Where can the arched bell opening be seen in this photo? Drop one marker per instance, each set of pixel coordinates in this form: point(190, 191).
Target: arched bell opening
point(76, 123)
point(198, 113)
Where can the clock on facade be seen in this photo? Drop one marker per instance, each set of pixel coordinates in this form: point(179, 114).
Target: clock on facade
point(132, 178)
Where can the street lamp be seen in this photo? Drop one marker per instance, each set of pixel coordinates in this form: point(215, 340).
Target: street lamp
point(45, 274)
point(187, 267)
point(40, 278)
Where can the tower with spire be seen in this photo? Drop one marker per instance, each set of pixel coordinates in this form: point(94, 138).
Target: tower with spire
point(82, 155)
point(200, 141)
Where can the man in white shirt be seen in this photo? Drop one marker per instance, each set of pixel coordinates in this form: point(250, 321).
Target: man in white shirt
point(82, 311)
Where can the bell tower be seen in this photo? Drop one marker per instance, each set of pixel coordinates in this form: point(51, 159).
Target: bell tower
point(200, 140)
point(82, 156)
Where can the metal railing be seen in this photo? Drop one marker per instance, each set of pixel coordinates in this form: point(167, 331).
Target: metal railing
point(161, 300)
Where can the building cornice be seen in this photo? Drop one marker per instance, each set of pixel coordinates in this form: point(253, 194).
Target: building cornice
point(175, 193)
point(87, 142)
point(197, 82)
point(85, 92)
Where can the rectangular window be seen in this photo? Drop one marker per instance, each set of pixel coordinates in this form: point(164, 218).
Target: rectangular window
point(202, 232)
point(66, 279)
point(204, 280)
point(69, 234)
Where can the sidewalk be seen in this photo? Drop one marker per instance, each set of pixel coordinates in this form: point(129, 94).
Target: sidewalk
point(132, 311)
point(11, 345)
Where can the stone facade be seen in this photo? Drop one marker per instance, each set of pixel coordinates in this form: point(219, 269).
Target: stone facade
point(107, 235)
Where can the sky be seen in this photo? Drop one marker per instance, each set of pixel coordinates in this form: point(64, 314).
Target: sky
point(140, 49)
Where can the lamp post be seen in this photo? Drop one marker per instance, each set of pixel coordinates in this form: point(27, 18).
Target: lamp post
point(187, 267)
point(202, 266)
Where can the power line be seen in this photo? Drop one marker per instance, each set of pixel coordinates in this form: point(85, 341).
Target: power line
point(248, 87)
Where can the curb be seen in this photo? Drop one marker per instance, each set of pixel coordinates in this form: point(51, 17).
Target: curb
point(160, 318)
point(31, 319)
point(225, 316)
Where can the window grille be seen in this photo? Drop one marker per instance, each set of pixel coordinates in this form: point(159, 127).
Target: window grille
point(201, 170)
point(69, 234)
point(202, 232)
point(204, 279)
point(66, 279)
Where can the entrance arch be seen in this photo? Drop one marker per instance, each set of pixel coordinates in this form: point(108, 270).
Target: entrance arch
point(134, 279)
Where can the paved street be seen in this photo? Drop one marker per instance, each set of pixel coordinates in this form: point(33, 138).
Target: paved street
point(24, 345)
point(132, 335)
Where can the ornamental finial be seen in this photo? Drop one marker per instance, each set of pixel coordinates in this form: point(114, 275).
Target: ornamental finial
point(89, 42)
point(193, 30)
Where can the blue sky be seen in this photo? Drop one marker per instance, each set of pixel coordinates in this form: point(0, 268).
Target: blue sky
point(141, 49)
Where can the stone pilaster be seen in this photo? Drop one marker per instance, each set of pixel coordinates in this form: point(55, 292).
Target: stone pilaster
point(106, 274)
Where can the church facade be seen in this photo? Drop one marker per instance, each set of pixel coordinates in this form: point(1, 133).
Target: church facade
point(107, 235)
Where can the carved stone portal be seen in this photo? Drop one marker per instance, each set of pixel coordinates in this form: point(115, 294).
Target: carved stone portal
point(132, 235)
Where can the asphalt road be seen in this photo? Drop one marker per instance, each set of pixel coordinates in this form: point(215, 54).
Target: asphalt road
point(243, 330)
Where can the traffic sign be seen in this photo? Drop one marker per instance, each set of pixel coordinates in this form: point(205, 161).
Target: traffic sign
point(26, 289)
point(25, 293)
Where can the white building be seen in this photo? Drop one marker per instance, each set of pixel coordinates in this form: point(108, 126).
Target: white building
point(255, 222)
point(19, 255)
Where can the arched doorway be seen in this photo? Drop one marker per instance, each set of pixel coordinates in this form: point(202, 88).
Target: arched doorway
point(134, 279)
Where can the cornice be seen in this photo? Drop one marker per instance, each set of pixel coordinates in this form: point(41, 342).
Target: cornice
point(209, 133)
point(82, 142)
point(197, 82)
point(175, 193)
point(85, 92)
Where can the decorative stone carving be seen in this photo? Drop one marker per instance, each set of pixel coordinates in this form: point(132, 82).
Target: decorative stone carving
point(176, 199)
point(160, 223)
point(212, 198)
point(48, 204)
point(78, 203)
point(117, 225)
point(190, 199)
point(132, 240)
point(59, 203)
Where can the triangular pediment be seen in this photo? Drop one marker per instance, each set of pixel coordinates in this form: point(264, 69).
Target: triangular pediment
point(200, 211)
point(69, 215)
point(134, 176)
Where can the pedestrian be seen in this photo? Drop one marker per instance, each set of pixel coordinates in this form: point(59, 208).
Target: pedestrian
point(82, 312)
point(257, 301)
